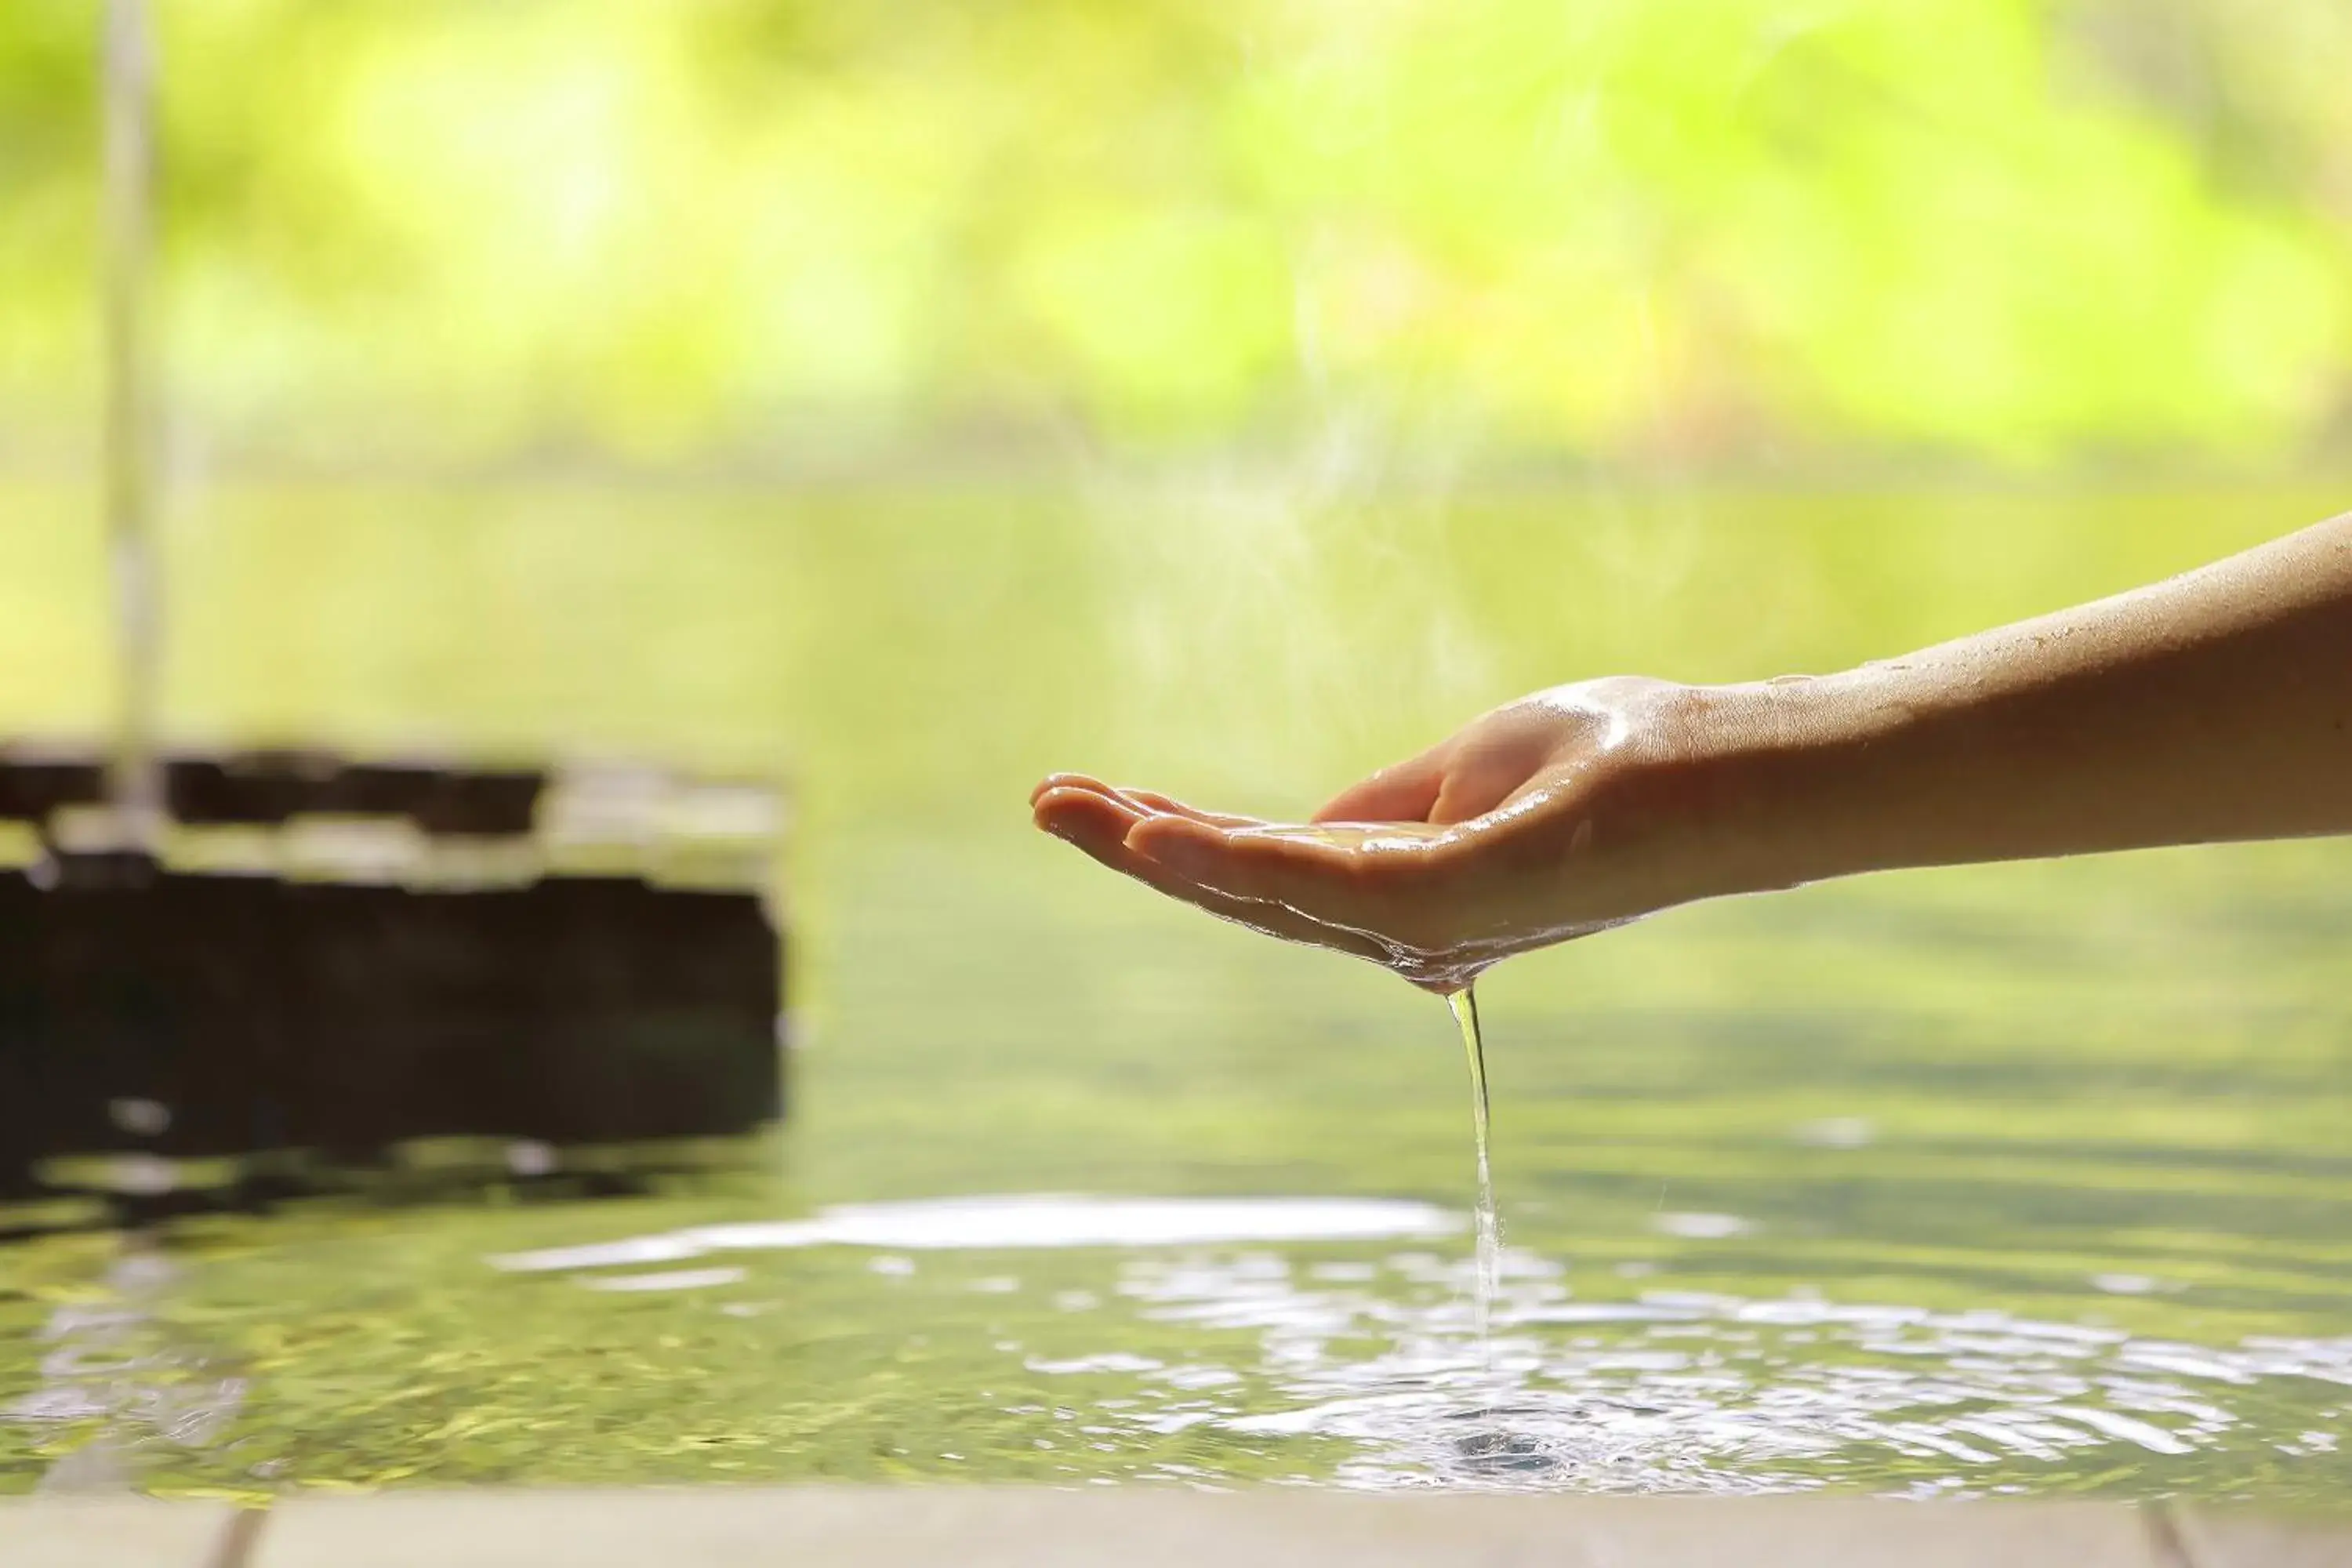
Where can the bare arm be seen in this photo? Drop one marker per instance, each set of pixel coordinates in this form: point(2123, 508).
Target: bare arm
point(2216, 706)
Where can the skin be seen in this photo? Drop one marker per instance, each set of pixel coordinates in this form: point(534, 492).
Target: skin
point(2213, 707)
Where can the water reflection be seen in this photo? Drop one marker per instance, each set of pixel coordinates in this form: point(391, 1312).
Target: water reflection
point(117, 1384)
point(1683, 1391)
point(1023, 1221)
point(1609, 1386)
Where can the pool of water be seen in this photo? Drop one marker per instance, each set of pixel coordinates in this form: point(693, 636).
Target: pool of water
point(2012, 1179)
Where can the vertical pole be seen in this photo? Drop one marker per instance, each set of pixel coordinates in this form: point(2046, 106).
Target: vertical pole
point(136, 783)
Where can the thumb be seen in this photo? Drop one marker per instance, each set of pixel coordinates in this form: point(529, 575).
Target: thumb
point(1403, 792)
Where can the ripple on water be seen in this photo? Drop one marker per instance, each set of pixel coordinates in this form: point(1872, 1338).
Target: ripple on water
point(1659, 1390)
point(1692, 1391)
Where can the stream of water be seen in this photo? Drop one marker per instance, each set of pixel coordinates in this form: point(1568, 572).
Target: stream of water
point(1464, 1003)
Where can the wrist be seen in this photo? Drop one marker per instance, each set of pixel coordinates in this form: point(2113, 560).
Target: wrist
point(1750, 787)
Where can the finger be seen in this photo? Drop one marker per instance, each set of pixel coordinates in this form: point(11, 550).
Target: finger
point(1339, 875)
point(1406, 792)
point(1096, 821)
point(1068, 781)
point(1271, 920)
point(1143, 802)
point(1475, 785)
point(1149, 800)
point(1096, 824)
point(1152, 800)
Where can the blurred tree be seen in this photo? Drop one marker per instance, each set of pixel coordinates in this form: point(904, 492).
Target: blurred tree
point(1703, 230)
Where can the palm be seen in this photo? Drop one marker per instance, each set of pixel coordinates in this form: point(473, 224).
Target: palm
point(1434, 868)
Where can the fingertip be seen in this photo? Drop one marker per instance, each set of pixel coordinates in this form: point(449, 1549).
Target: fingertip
point(1054, 781)
point(1065, 796)
point(1076, 815)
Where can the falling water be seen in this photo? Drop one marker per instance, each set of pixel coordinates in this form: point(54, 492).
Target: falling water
point(136, 774)
point(1464, 1005)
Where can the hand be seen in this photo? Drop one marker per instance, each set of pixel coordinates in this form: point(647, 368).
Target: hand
point(1526, 828)
point(2208, 709)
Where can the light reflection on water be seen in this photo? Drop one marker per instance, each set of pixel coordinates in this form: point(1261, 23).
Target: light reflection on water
point(108, 1367)
point(985, 1223)
point(1686, 1391)
point(1666, 1390)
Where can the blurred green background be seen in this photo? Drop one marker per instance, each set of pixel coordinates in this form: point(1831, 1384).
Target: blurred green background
point(1747, 232)
point(915, 398)
point(1230, 396)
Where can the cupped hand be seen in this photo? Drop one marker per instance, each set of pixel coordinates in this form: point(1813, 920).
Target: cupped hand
point(1521, 830)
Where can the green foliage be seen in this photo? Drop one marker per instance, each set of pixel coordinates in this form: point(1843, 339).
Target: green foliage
point(1703, 230)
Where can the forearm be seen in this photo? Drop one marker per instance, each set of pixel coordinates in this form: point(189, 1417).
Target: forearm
point(2216, 706)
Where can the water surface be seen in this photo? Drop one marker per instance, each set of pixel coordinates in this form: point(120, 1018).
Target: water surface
point(2029, 1178)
